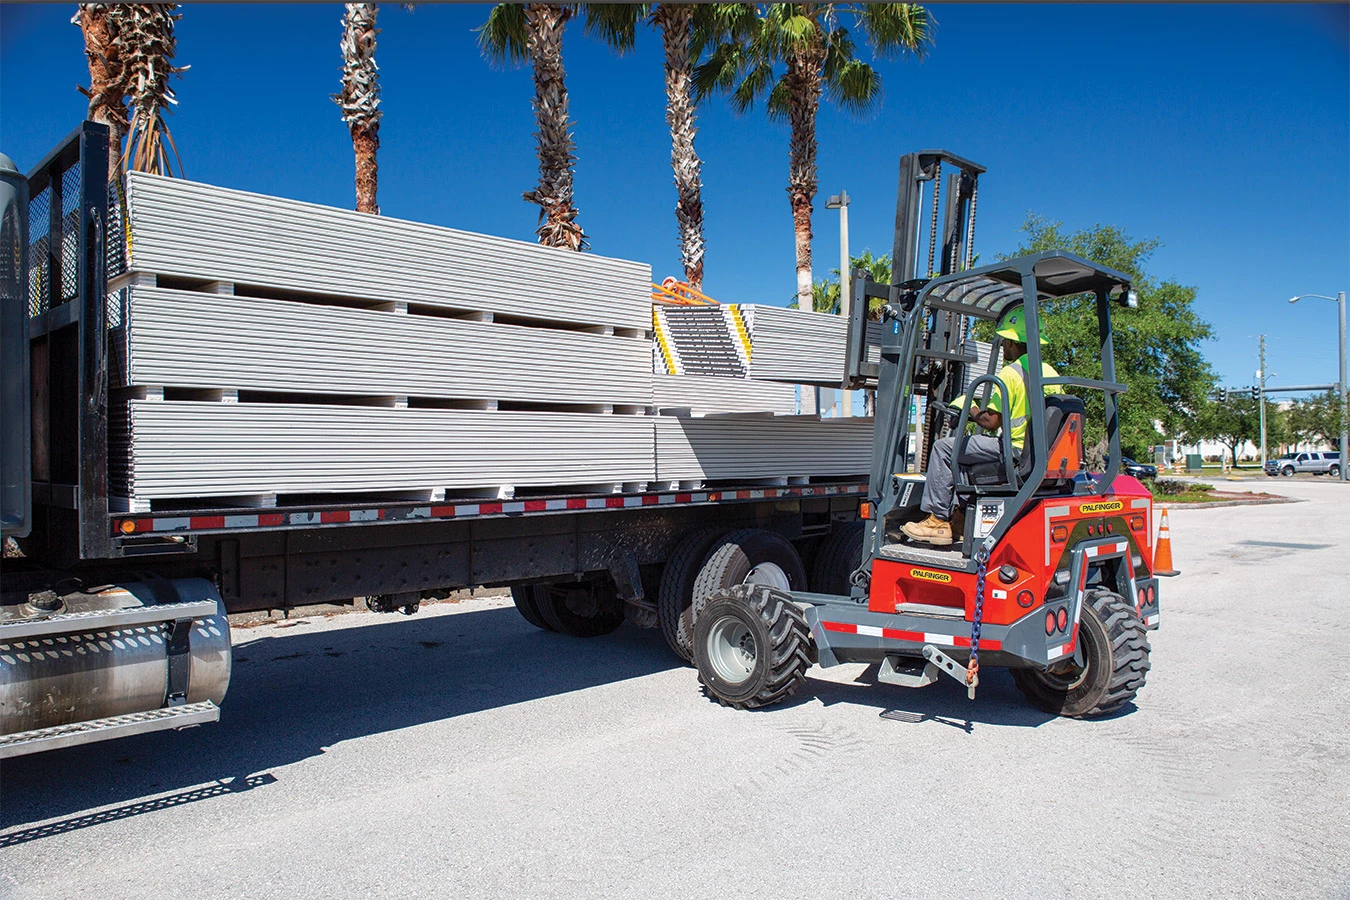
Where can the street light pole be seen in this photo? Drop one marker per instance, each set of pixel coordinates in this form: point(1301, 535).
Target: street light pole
point(1341, 383)
point(839, 201)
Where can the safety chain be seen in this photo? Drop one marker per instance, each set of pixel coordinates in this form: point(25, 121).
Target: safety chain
point(973, 667)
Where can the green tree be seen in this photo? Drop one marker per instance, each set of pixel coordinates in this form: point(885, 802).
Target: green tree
point(795, 54)
point(1315, 419)
point(1157, 346)
point(1235, 423)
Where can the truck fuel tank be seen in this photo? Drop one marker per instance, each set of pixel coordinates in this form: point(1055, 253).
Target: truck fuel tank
point(110, 652)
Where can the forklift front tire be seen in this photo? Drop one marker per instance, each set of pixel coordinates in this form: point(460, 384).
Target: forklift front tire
point(752, 646)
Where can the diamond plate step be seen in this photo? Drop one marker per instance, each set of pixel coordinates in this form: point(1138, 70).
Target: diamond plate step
point(103, 619)
point(58, 736)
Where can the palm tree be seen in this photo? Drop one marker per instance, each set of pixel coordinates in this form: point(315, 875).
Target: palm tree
point(107, 79)
point(685, 28)
point(142, 35)
point(516, 32)
point(795, 54)
point(360, 98)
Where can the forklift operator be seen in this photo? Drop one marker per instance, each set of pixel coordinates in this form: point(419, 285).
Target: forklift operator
point(979, 448)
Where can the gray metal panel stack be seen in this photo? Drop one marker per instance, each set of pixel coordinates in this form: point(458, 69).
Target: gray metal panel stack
point(711, 395)
point(270, 347)
point(800, 347)
point(197, 340)
point(761, 447)
point(194, 449)
point(180, 228)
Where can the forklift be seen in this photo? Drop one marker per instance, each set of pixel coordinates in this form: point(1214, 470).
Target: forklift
point(1051, 574)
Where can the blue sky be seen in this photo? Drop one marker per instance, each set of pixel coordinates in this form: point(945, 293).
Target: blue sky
point(1222, 130)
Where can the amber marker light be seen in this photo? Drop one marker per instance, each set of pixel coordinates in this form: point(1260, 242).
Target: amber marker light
point(128, 526)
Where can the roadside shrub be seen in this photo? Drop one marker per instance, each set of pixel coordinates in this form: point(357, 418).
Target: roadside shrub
point(1170, 487)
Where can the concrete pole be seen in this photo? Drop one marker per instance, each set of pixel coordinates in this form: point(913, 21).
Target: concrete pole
point(1345, 410)
point(1261, 398)
point(845, 287)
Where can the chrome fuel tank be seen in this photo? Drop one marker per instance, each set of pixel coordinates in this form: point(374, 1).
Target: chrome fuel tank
point(71, 674)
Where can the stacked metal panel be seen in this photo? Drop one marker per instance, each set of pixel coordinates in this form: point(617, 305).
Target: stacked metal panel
point(196, 449)
point(283, 348)
point(711, 395)
point(197, 340)
point(730, 447)
point(199, 231)
point(794, 345)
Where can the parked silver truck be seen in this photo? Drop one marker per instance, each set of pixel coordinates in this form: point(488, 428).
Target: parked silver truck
point(1324, 463)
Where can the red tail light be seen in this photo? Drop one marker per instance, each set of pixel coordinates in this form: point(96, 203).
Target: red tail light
point(1063, 619)
point(1050, 622)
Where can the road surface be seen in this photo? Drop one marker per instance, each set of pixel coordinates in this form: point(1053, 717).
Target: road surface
point(463, 753)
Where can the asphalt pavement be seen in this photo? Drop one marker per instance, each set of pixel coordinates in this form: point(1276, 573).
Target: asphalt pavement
point(463, 753)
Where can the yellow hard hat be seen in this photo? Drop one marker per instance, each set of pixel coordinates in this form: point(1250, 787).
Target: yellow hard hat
point(1013, 326)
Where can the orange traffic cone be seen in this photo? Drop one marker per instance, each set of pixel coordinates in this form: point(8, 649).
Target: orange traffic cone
point(1162, 549)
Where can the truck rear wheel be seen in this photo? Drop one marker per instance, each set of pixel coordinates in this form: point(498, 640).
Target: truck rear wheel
point(746, 556)
point(751, 645)
point(526, 598)
point(581, 608)
point(674, 605)
point(1115, 663)
point(837, 558)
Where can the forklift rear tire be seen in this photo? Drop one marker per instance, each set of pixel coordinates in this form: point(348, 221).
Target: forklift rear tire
point(837, 559)
point(526, 597)
point(752, 646)
point(581, 609)
point(1115, 655)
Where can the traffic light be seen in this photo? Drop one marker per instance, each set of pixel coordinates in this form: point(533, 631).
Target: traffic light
point(1223, 395)
point(1256, 392)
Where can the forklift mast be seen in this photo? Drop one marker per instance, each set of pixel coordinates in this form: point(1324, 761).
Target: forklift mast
point(949, 210)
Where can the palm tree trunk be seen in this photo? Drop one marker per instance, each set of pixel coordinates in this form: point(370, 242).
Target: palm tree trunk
point(804, 82)
point(360, 99)
point(557, 152)
point(143, 34)
point(676, 23)
point(107, 86)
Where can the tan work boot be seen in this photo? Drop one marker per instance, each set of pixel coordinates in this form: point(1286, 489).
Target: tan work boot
point(931, 530)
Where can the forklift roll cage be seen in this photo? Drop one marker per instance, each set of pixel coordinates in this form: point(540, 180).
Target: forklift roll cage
point(982, 293)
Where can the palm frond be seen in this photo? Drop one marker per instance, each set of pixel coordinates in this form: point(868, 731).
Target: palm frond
point(780, 101)
point(615, 24)
point(143, 34)
point(856, 87)
point(502, 37)
point(897, 29)
point(756, 83)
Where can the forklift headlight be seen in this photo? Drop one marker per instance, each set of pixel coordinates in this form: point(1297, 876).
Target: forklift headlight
point(1132, 299)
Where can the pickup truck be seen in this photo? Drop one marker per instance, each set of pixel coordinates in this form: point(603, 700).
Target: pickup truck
point(1295, 463)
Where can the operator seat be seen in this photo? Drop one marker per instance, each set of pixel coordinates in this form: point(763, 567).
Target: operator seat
point(1064, 418)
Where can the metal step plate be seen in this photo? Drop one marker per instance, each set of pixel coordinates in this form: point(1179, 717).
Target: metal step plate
point(71, 735)
point(103, 619)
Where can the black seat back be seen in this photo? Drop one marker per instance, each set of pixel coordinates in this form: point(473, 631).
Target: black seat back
point(1059, 408)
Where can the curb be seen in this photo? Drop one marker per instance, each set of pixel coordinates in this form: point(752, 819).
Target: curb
point(1263, 501)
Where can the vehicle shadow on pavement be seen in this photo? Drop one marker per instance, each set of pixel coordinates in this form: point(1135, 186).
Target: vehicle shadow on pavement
point(293, 696)
point(997, 701)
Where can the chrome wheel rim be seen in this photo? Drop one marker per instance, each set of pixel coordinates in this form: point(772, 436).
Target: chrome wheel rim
point(770, 575)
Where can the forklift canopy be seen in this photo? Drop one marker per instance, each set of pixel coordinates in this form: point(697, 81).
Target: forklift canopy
point(987, 291)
